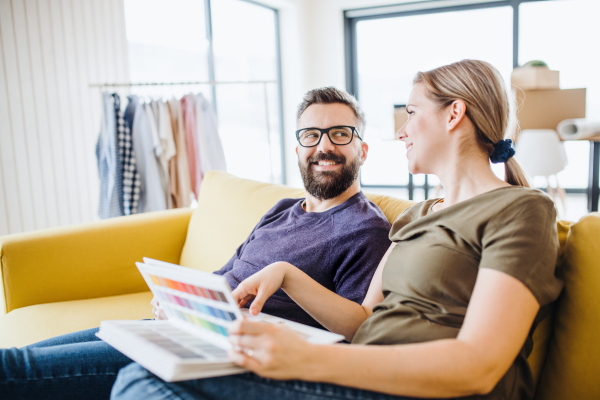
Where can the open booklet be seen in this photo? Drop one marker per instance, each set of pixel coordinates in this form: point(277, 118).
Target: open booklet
point(193, 342)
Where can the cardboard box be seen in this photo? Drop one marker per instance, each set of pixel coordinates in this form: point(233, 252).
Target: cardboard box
point(544, 109)
point(532, 78)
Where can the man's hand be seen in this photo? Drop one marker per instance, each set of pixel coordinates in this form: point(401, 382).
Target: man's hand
point(260, 286)
point(157, 310)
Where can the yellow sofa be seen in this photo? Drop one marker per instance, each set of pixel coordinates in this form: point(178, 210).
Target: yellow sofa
point(61, 280)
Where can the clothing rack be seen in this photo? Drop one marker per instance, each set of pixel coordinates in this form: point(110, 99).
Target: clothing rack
point(213, 84)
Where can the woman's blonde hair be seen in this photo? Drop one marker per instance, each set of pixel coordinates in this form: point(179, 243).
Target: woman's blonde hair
point(481, 87)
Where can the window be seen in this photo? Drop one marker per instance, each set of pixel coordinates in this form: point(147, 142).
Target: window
point(174, 50)
point(391, 51)
point(249, 117)
point(386, 46)
point(225, 41)
point(565, 44)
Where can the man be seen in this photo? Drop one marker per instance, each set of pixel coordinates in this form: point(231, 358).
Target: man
point(335, 235)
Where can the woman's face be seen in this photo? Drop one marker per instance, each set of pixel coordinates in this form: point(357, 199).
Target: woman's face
point(423, 133)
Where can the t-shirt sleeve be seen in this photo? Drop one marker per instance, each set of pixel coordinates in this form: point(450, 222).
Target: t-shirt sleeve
point(522, 242)
point(357, 259)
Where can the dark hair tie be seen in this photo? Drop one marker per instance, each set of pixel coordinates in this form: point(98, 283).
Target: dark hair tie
point(503, 150)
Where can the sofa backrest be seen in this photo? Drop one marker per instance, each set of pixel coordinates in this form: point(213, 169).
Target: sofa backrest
point(572, 367)
point(543, 333)
point(230, 207)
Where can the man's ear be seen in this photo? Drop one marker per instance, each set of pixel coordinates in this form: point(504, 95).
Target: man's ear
point(296, 149)
point(456, 113)
point(364, 148)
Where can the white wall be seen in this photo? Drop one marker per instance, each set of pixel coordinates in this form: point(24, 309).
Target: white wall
point(50, 51)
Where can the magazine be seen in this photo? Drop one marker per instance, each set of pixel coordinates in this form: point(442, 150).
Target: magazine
point(194, 341)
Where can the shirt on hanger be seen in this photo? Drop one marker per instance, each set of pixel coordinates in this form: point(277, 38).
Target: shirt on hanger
point(188, 105)
point(131, 177)
point(211, 141)
point(181, 185)
point(109, 169)
point(145, 143)
point(165, 135)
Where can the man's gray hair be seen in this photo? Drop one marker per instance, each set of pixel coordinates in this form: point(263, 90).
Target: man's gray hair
point(332, 95)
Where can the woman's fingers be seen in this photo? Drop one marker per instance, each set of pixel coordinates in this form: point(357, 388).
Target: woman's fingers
point(247, 341)
point(161, 315)
point(243, 290)
point(244, 360)
point(244, 301)
point(246, 327)
point(154, 302)
point(259, 301)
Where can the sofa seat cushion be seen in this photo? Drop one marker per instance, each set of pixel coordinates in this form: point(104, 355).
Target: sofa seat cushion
point(31, 324)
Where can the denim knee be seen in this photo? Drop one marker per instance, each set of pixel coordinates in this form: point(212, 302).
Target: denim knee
point(135, 382)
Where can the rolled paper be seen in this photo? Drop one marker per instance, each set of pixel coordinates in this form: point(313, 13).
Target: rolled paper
point(579, 129)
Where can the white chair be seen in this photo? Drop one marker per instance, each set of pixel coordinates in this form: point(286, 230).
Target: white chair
point(541, 153)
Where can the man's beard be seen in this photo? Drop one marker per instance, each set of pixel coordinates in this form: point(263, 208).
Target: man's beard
point(325, 185)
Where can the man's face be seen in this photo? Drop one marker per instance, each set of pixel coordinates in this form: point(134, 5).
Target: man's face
point(328, 170)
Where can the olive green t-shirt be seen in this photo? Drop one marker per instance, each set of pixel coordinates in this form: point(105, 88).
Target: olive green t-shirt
point(429, 276)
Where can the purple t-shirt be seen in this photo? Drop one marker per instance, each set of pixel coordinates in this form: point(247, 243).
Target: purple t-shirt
point(339, 248)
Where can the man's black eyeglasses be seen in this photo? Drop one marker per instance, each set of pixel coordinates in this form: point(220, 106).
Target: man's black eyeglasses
point(338, 135)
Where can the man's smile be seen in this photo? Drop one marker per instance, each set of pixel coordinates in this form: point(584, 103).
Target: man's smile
point(326, 165)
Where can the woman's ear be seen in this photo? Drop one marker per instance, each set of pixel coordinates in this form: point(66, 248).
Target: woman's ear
point(456, 113)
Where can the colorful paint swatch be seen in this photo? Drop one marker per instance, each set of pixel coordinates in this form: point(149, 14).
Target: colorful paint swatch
point(194, 319)
point(190, 289)
point(199, 307)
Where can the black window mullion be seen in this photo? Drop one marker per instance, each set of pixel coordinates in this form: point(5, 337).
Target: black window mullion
point(515, 7)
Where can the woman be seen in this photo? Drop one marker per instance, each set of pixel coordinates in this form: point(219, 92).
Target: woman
point(455, 299)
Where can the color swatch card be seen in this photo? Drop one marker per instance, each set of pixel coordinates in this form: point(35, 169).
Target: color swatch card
point(193, 342)
point(193, 300)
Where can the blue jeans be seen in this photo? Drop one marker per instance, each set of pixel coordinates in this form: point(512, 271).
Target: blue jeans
point(73, 366)
point(134, 382)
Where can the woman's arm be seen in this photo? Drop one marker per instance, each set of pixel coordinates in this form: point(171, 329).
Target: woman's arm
point(496, 325)
point(341, 315)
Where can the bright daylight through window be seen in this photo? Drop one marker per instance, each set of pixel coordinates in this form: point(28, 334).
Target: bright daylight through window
point(390, 49)
point(390, 52)
point(178, 50)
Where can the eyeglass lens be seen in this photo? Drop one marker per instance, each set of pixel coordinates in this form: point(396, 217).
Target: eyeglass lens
point(310, 137)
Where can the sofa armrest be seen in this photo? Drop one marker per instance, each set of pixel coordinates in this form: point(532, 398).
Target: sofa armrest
point(89, 260)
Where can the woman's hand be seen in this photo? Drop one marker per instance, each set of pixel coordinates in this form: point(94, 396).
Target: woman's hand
point(260, 286)
point(270, 350)
point(157, 310)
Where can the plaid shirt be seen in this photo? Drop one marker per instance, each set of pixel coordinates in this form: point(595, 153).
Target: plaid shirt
point(130, 176)
point(109, 168)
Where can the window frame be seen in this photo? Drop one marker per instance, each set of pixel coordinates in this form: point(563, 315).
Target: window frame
point(353, 16)
point(211, 71)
